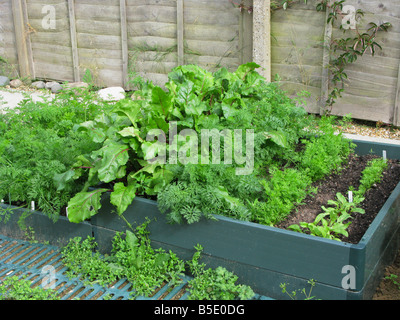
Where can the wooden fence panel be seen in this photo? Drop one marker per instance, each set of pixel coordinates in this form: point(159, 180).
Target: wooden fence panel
point(152, 38)
point(7, 40)
point(117, 39)
point(371, 89)
point(297, 36)
point(51, 44)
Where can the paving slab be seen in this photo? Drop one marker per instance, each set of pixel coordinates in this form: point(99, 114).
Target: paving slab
point(11, 98)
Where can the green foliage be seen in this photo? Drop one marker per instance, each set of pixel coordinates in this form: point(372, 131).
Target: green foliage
point(205, 190)
point(334, 220)
point(214, 284)
point(371, 175)
point(15, 288)
point(344, 50)
point(394, 279)
point(147, 269)
point(88, 77)
point(132, 258)
point(284, 190)
point(37, 142)
point(325, 151)
point(293, 294)
point(131, 163)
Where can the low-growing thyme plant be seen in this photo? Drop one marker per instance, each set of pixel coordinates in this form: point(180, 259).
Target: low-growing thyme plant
point(16, 288)
point(133, 258)
point(214, 284)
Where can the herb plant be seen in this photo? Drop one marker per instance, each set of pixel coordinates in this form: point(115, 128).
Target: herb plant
point(132, 258)
point(293, 294)
point(38, 141)
point(214, 284)
point(371, 175)
point(15, 288)
point(147, 269)
point(334, 221)
point(394, 279)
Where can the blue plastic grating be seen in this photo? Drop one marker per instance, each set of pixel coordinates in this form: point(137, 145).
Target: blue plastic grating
point(33, 261)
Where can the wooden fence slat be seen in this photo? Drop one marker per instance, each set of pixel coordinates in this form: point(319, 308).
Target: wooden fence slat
point(180, 28)
point(325, 64)
point(74, 42)
point(245, 32)
point(396, 118)
point(124, 43)
point(28, 41)
point(25, 66)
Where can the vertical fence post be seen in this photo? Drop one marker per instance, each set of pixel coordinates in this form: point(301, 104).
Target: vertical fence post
point(28, 41)
point(396, 117)
point(74, 42)
point(21, 36)
point(180, 28)
point(325, 64)
point(262, 36)
point(124, 43)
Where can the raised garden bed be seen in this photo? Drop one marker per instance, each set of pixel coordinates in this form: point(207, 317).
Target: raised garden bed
point(263, 257)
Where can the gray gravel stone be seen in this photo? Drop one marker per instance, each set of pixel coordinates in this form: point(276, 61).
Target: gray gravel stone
point(4, 81)
point(16, 83)
point(50, 84)
point(38, 84)
point(56, 88)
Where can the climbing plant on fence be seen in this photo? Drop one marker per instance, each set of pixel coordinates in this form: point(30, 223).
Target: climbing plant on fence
point(344, 50)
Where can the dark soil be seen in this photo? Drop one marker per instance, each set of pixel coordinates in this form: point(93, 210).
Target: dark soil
point(388, 290)
point(349, 176)
point(374, 200)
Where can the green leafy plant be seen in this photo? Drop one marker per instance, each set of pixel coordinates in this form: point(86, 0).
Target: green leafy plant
point(347, 50)
point(394, 279)
point(88, 77)
point(284, 190)
point(371, 175)
point(132, 258)
point(128, 163)
point(16, 288)
point(214, 284)
point(37, 142)
point(334, 221)
point(324, 152)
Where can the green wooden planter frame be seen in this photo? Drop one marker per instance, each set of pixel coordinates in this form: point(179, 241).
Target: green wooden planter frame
point(263, 257)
